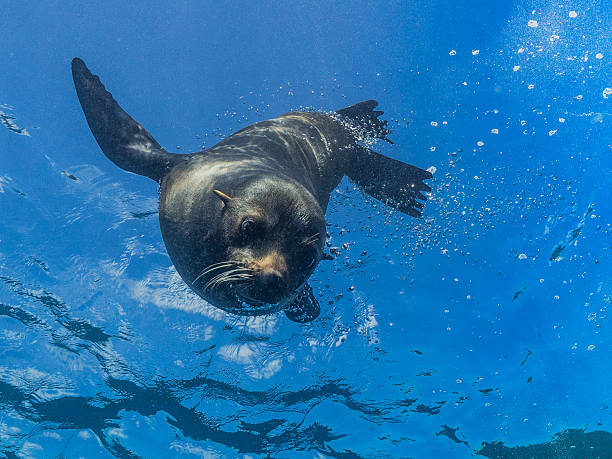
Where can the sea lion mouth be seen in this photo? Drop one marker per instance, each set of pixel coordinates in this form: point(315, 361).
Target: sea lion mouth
point(257, 301)
point(242, 298)
point(239, 289)
point(267, 284)
point(246, 305)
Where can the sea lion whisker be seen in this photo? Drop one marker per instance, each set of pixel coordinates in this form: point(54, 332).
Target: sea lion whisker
point(313, 242)
point(219, 277)
point(240, 270)
point(202, 274)
point(220, 264)
point(233, 273)
point(213, 281)
point(228, 279)
point(233, 279)
point(311, 239)
point(214, 267)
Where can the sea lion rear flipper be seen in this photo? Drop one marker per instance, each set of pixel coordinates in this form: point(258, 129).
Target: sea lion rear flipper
point(305, 307)
point(123, 140)
point(393, 182)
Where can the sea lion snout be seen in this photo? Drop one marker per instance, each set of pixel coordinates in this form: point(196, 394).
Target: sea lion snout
point(270, 286)
point(271, 278)
point(272, 262)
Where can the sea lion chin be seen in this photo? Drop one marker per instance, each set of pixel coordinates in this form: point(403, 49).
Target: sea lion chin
point(244, 221)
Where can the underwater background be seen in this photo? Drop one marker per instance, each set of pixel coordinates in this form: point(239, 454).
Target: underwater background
point(481, 328)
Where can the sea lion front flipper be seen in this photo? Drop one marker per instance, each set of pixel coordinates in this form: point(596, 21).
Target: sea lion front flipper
point(362, 115)
point(393, 182)
point(305, 307)
point(123, 140)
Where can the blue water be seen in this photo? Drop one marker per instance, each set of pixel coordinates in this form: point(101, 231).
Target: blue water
point(491, 314)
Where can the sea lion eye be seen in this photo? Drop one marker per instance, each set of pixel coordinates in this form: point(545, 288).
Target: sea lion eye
point(311, 257)
point(248, 227)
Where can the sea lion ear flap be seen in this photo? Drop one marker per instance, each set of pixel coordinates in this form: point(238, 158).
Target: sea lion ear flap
point(225, 198)
point(305, 308)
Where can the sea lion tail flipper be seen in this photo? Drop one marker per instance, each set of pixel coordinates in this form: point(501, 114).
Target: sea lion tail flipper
point(305, 308)
point(123, 140)
point(393, 182)
point(364, 116)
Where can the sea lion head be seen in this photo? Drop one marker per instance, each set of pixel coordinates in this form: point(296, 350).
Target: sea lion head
point(273, 232)
point(260, 241)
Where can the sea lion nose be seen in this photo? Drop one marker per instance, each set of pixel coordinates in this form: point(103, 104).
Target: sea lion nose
point(270, 286)
point(271, 281)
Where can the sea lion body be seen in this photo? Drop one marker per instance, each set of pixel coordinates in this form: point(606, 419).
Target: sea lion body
point(310, 148)
point(244, 221)
point(298, 147)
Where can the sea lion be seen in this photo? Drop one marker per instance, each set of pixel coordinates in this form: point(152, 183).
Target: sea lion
point(244, 221)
